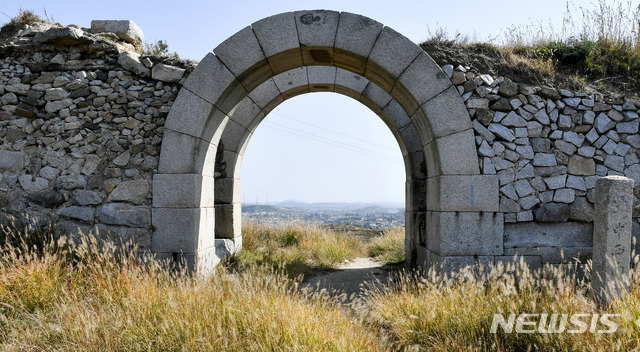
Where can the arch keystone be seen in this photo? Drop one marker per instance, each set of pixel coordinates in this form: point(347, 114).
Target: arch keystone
point(317, 33)
point(321, 78)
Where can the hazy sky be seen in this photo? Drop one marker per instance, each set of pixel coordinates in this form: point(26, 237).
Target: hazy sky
point(302, 150)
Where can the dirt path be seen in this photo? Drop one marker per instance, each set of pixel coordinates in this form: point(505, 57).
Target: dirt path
point(349, 277)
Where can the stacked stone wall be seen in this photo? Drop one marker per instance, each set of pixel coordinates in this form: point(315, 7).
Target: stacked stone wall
point(548, 148)
point(80, 132)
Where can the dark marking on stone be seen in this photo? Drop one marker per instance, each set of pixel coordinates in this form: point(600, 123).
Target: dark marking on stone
point(366, 22)
point(321, 55)
point(441, 75)
point(48, 199)
point(309, 18)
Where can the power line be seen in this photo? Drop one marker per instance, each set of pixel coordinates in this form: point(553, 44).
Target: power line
point(336, 132)
point(333, 143)
point(330, 140)
point(381, 156)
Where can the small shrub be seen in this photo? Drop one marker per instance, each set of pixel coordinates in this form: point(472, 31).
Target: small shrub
point(23, 17)
point(296, 248)
point(159, 48)
point(388, 248)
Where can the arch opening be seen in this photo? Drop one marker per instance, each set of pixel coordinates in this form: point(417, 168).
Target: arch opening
point(231, 90)
point(322, 147)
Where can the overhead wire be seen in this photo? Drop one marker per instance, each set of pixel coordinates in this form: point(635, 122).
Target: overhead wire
point(320, 139)
point(332, 131)
point(329, 139)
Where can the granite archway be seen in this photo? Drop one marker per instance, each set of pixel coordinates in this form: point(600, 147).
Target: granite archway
point(451, 210)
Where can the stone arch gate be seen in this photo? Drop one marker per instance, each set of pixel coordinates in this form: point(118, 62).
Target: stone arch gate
point(451, 209)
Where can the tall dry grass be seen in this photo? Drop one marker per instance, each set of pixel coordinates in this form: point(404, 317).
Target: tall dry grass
point(88, 297)
point(436, 313)
point(388, 248)
point(296, 248)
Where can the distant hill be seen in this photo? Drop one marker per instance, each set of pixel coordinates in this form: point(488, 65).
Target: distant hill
point(253, 208)
point(337, 205)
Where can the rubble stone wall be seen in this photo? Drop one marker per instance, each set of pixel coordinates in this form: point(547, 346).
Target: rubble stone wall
point(81, 124)
point(548, 148)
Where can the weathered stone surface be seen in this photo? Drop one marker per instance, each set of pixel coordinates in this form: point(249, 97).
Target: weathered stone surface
point(627, 127)
point(581, 166)
point(549, 93)
point(86, 214)
point(33, 185)
point(48, 198)
point(612, 237)
point(581, 210)
point(11, 161)
point(125, 29)
point(62, 36)
point(56, 94)
point(552, 212)
point(125, 215)
point(466, 233)
point(542, 159)
point(603, 124)
point(186, 230)
point(533, 235)
point(392, 65)
point(564, 195)
point(502, 132)
point(86, 197)
point(463, 193)
point(356, 34)
point(131, 61)
point(167, 73)
point(135, 192)
point(71, 182)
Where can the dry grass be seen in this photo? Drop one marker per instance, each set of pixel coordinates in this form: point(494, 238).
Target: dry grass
point(456, 314)
point(599, 43)
point(388, 248)
point(296, 248)
point(91, 299)
point(23, 17)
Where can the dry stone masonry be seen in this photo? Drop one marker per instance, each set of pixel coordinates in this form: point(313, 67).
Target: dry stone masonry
point(94, 135)
point(81, 127)
point(548, 148)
